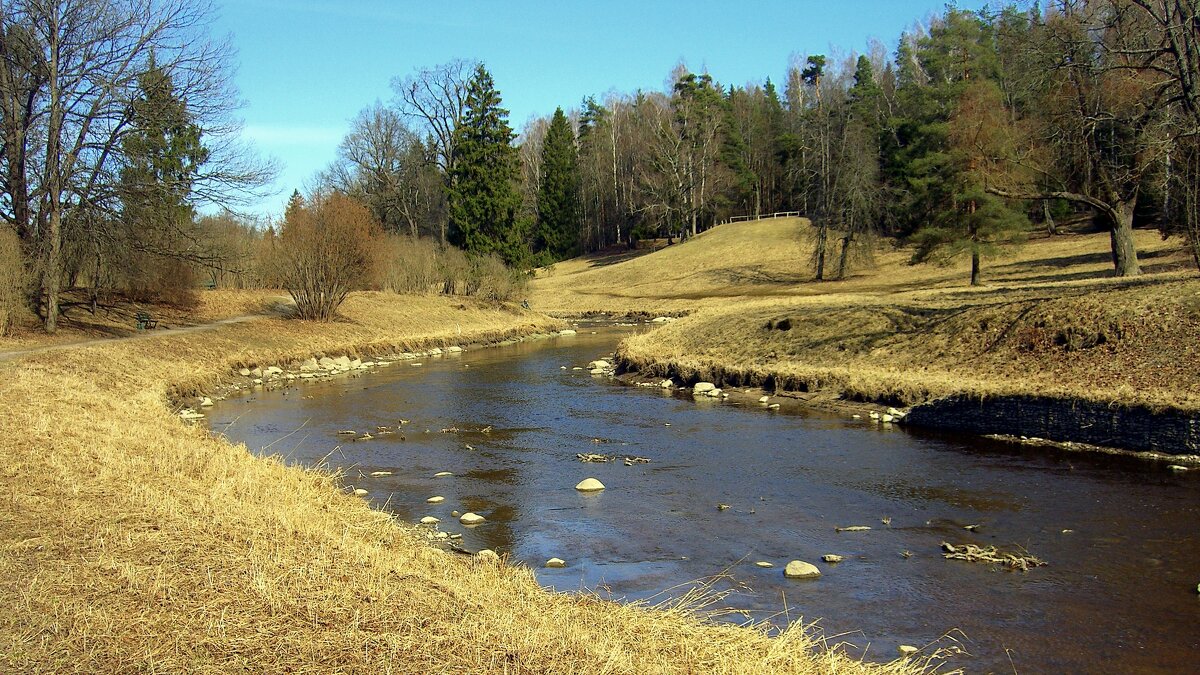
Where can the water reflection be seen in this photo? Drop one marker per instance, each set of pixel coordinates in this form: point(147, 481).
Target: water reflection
point(1119, 534)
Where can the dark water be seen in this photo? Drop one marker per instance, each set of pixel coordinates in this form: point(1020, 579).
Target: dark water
point(1120, 536)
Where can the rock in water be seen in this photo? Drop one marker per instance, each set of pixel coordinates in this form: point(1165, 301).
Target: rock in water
point(360, 492)
point(556, 562)
point(703, 387)
point(206, 402)
point(599, 363)
point(832, 558)
point(430, 520)
point(435, 500)
point(764, 564)
point(589, 485)
point(442, 474)
point(470, 518)
point(798, 569)
point(764, 399)
point(907, 650)
point(487, 555)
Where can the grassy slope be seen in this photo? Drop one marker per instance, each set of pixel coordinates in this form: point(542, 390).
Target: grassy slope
point(1050, 319)
point(130, 541)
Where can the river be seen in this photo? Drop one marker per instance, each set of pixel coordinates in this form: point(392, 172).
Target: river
point(1119, 535)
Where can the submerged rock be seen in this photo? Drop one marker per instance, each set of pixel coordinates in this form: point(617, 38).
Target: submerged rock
point(589, 485)
point(798, 569)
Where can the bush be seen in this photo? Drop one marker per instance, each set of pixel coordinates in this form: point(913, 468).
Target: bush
point(12, 280)
point(408, 265)
point(326, 250)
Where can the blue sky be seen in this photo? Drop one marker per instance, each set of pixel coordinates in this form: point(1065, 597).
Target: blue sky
point(306, 67)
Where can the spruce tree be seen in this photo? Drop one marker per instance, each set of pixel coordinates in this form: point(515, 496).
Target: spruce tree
point(557, 231)
point(482, 195)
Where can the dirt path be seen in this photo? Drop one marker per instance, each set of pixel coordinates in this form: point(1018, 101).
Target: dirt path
point(278, 310)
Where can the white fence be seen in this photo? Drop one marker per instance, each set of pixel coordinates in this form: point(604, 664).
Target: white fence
point(780, 214)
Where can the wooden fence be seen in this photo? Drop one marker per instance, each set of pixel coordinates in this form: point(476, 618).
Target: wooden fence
point(780, 214)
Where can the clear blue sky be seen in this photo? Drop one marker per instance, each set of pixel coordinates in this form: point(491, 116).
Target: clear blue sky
point(306, 67)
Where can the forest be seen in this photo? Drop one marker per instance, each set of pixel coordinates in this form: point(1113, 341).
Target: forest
point(123, 171)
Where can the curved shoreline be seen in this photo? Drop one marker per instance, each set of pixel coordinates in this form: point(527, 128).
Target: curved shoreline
point(1068, 423)
point(135, 541)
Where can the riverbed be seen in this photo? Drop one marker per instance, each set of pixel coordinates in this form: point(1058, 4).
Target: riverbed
point(730, 485)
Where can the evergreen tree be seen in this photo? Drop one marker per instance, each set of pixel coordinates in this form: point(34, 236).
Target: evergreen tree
point(483, 197)
point(163, 155)
point(557, 231)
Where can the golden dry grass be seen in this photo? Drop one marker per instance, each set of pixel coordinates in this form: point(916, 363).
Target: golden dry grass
point(1050, 320)
point(130, 541)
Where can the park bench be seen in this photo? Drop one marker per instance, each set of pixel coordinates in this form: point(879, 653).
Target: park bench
point(144, 322)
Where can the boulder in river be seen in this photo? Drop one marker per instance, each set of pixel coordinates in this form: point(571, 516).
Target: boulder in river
point(907, 650)
point(566, 331)
point(599, 363)
point(703, 387)
point(764, 564)
point(589, 485)
point(798, 569)
point(764, 399)
point(442, 474)
point(360, 492)
point(832, 558)
point(556, 563)
point(206, 402)
point(470, 518)
point(430, 520)
point(435, 500)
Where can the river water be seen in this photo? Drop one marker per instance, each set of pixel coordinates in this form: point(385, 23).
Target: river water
point(1120, 536)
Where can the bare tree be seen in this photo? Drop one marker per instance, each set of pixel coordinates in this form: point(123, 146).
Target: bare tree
point(434, 99)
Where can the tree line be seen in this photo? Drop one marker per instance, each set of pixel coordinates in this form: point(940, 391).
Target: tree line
point(980, 127)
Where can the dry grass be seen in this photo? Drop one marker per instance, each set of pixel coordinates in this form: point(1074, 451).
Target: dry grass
point(131, 541)
point(1050, 320)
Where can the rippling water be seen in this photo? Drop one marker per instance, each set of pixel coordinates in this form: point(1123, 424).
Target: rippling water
point(1120, 536)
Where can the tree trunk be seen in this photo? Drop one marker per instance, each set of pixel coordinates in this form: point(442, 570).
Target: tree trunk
point(52, 279)
point(1123, 249)
point(974, 268)
point(822, 235)
point(1047, 219)
point(844, 257)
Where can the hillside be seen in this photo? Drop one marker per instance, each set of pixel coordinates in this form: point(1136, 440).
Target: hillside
point(1050, 319)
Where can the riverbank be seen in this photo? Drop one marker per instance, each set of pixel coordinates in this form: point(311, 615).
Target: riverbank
point(134, 541)
point(1052, 346)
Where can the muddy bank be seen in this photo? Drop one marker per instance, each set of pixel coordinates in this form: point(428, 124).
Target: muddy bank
point(1067, 423)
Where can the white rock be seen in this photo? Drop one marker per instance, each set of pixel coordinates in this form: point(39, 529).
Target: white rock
point(666, 384)
point(442, 474)
point(244, 372)
point(907, 650)
point(887, 419)
point(589, 485)
point(256, 372)
point(764, 399)
point(662, 319)
point(764, 564)
point(600, 363)
point(703, 387)
point(454, 349)
point(773, 406)
point(798, 569)
point(832, 558)
point(326, 363)
point(577, 368)
point(566, 331)
point(713, 393)
point(359, 492)
point(598, 371)
point(470, 518)
point(356, 363)
point(487, 555)
point(430, 520)
point(274, 370)
point(308, 365)
point(377, 474)
point(206, 402)
point(435, 500)
point(342, 362)
point(556, 562)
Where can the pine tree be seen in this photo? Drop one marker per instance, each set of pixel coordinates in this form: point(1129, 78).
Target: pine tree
point(483, 198)
point(163, 155)
point(558, 195)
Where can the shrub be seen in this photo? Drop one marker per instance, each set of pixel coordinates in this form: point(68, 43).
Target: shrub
point(12, 280)
point(326, 249)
